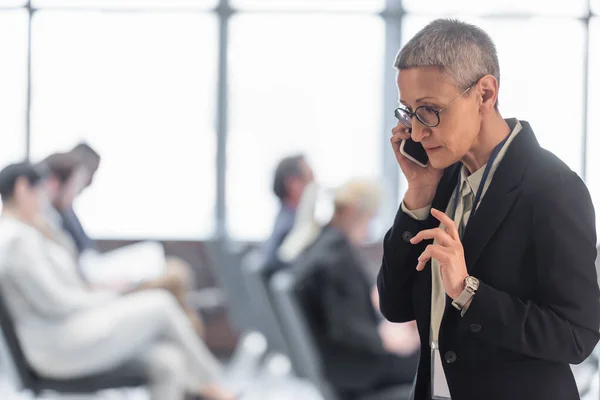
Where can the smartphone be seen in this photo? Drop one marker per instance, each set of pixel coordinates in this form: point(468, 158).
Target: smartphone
point(414, 152)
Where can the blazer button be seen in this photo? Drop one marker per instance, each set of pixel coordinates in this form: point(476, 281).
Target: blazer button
point(406, 236)
point(475, 328)
point(450, 357)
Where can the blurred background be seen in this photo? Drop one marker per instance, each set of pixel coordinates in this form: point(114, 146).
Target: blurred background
point(192, 103)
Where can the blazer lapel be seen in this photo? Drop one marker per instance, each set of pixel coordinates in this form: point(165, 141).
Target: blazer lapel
point(504, 189)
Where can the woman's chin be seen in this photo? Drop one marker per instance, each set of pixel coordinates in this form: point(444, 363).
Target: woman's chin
point(440, 162)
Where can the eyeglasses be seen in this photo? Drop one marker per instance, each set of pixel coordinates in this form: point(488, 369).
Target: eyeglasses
point(426, 115)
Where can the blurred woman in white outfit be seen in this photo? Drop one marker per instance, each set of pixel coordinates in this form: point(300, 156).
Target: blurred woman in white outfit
point(67, 330)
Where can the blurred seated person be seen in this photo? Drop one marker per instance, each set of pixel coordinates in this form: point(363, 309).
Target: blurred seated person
point(67, 176)
point(357, 356)
point(305, 229)
point(292, 175)
point(69, 331)
point(89, 160)
point(149, 258)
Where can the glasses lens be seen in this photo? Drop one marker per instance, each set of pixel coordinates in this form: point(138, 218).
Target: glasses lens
point(404, 117)
point(428, 116)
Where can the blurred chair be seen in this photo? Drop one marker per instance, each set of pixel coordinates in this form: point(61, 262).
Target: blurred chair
point(206, 299)
point(227, 269)
point(304, 354)
point(127, 376)
point(291, 297)
point(256, 277)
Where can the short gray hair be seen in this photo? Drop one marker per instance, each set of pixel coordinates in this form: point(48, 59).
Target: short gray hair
point(463, 52)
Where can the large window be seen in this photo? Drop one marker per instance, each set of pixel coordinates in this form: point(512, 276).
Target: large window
point(126, 4)
point(295, 89)
point(593, 136)
point(319, 5)
point(13, 84)
point(11, 3)
point(139, 88)
point(505, 7)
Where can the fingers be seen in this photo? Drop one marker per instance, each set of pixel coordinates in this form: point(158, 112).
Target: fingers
point(401, 131)
point(432, 251)
point(438, 234)
point(397, 138)
point(445, 220)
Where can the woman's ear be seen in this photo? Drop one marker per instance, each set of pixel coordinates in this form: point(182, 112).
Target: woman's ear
point(488, 92)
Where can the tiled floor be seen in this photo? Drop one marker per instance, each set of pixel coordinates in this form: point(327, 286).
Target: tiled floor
point(284, 391)
point(7, 392)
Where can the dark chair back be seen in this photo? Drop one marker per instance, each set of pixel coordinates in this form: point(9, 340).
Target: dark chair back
point(256, 277)
point(291, 290)
point(228, 271)
point(27, 376)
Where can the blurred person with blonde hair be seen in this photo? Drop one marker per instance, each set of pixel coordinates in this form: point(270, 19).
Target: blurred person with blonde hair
point(356, 355)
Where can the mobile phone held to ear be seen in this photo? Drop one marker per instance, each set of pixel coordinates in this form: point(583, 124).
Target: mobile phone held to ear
point(414, 152)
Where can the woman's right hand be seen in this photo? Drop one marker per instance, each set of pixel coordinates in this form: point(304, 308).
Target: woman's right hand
point(422, 182)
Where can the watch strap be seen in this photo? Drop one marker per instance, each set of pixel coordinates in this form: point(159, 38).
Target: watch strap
point(463, 299)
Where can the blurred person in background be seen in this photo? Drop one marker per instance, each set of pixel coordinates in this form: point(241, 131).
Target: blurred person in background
point(358, 356)
point(68, 175)
point(306, 227)
point(292, 176)
point(90, 158)
point(142, 262)
point(89, 161)
point(68, 330)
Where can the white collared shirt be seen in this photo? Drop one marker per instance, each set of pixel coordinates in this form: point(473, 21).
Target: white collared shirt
point(438, 294)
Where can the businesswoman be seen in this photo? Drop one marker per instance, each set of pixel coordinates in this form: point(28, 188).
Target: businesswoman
point(492, 251)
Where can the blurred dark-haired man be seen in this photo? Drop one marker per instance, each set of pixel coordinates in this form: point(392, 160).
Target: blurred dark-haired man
point(292, 176)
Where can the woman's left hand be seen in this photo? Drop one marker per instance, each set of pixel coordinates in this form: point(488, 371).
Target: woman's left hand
point(448, 250)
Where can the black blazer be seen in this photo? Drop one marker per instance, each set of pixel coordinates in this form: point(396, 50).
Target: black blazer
point(342, 316)
point(532, 244)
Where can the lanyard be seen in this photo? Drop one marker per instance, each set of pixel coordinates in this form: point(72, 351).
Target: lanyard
point(484, 178)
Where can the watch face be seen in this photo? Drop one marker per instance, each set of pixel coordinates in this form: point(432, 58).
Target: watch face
point(472, 282)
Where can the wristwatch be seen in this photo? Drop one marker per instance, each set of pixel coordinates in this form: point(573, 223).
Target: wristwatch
point(471, 286)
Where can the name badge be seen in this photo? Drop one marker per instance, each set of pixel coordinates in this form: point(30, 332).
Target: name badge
point(439, 385)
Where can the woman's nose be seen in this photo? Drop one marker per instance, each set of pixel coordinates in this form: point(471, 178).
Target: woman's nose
point(419, 131)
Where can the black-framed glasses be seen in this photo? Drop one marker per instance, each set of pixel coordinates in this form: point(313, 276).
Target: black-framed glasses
point(426, 115)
